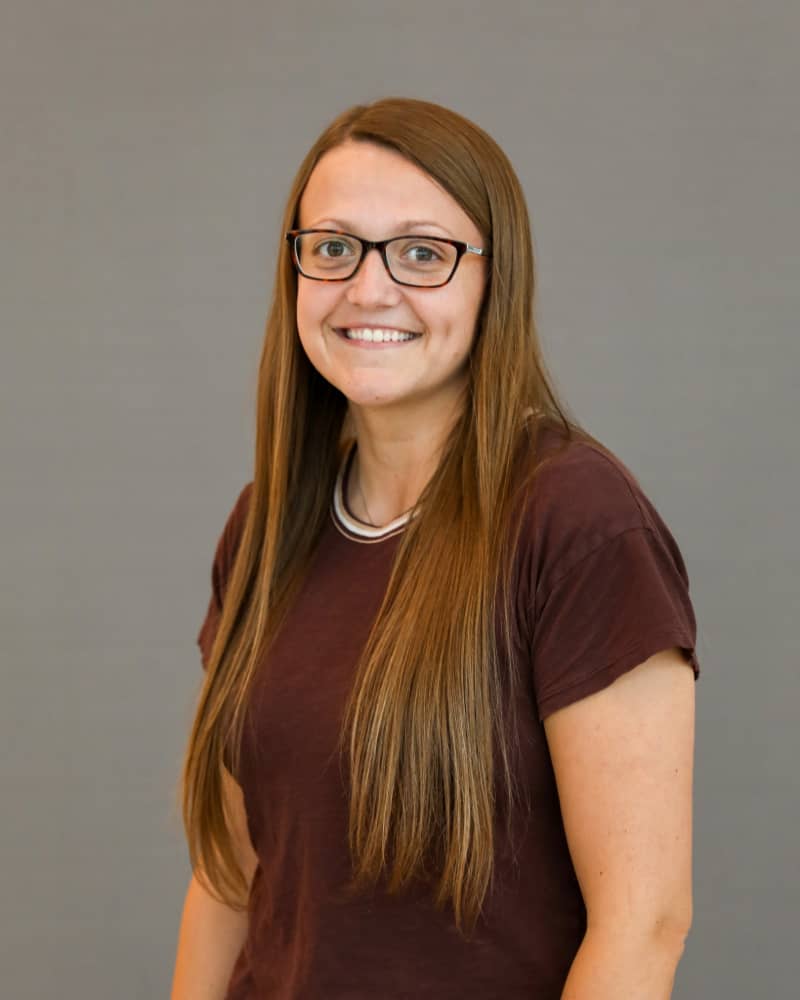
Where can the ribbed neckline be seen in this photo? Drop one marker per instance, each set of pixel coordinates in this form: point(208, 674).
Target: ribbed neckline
point(349, 525)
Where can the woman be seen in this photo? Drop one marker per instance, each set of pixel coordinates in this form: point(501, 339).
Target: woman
point(444, 743)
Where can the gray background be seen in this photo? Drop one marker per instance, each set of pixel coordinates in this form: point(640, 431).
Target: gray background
point(147, 149)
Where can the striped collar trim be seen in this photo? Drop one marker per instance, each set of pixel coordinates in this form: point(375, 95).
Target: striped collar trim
point(350, 526)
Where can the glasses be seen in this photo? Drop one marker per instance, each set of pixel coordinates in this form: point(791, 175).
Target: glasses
point(419, 261)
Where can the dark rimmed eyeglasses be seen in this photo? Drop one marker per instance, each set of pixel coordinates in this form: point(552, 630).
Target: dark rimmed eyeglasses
point(418, 261)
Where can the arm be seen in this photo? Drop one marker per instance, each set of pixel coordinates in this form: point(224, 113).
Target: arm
point(211, 934)
point(622, 758)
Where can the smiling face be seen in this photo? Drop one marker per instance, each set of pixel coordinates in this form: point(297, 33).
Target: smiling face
point(375, 193)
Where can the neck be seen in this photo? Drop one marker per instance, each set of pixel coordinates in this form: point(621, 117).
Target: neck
point(391, 467)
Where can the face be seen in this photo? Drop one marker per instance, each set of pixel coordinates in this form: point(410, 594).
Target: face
point(375, 193)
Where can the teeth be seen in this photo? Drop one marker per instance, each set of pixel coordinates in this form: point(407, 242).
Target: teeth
point(377, 335)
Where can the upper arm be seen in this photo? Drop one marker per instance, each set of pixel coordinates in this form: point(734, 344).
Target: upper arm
point(237, 824)
point(623, 759)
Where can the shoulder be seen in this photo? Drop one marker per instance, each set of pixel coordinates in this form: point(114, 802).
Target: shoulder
point(581, 496)
point(242, 505)
point(603, 582)
point(232, 532)
point(224, 558)
point(238, 514)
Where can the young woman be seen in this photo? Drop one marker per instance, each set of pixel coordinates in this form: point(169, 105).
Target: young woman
point(444, 744)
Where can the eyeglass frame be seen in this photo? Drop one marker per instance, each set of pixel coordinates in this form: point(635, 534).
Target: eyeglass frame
point(461, 247)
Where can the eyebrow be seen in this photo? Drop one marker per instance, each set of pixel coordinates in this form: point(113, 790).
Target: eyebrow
point(406, 226)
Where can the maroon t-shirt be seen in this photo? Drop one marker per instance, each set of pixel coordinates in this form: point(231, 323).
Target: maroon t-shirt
point(599, 586)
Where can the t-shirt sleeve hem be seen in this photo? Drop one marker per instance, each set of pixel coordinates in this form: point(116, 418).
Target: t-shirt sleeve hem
point(604, 675)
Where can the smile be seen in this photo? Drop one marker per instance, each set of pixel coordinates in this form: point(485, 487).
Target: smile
point(367, 336)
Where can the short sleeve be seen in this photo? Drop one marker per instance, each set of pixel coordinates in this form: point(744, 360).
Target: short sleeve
point(604, 584)
point(621, 603)
point(224, 557)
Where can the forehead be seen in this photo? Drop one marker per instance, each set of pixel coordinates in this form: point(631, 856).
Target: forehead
point(373, 190)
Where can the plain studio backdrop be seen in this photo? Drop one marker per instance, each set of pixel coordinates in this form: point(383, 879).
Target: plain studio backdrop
point(145, 154)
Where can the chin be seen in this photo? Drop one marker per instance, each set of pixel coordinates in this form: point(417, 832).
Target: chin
point(364, 388)
point(370, 401)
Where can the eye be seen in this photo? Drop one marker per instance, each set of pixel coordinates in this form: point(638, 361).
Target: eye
point(423, 253)
point(334, 248)
point(428, 252)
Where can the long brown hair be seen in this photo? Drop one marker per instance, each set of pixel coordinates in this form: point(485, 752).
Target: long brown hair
point(427, 708)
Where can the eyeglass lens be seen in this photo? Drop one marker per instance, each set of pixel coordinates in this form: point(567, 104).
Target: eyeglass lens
point(413, 260)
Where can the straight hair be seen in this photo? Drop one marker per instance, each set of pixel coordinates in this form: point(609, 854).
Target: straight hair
point(422, 737)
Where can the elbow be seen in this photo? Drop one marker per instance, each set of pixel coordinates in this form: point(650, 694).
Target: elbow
point(665, 929)
point(672, 928)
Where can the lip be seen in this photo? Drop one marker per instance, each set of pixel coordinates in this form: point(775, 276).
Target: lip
point(371, 345)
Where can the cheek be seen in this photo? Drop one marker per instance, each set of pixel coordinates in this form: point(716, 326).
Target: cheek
point(305, 310)
point(462, 316)
point(308, 325)
point(313, 306)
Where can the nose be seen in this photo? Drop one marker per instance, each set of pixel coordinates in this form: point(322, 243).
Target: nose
point(372, 285)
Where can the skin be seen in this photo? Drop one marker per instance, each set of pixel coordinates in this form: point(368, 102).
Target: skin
point(623, 761)
point(402, 400)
